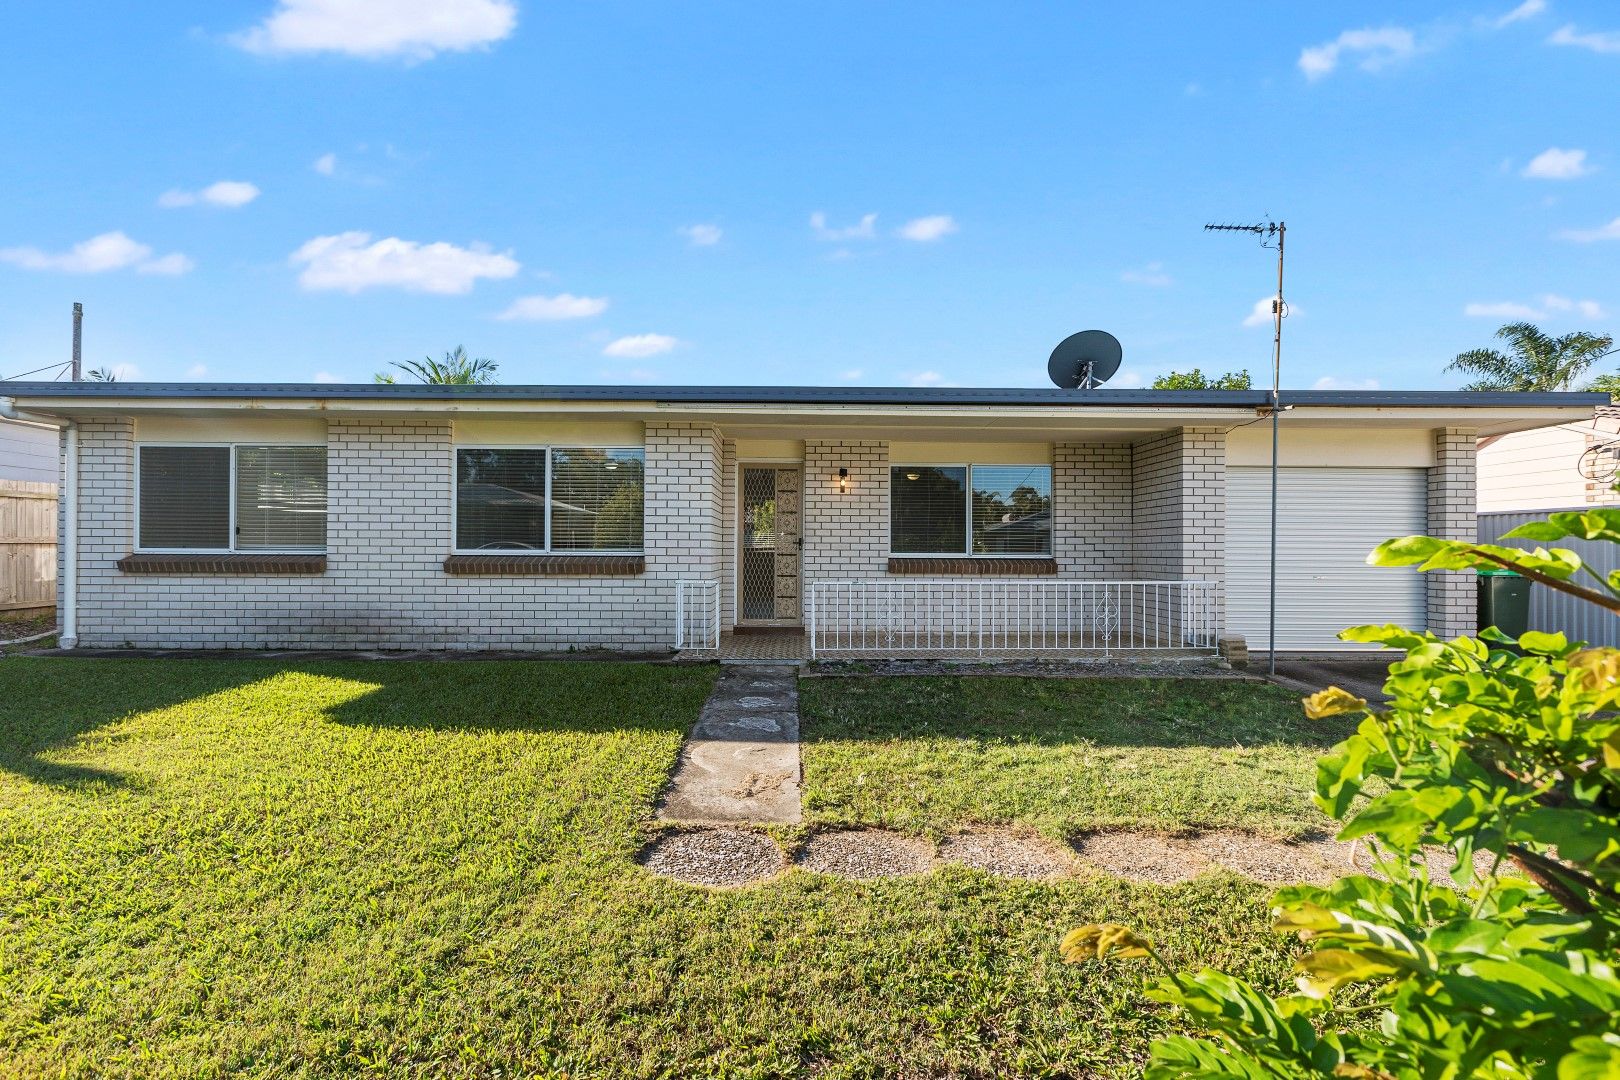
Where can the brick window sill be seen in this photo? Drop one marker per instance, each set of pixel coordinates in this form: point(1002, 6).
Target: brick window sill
point(967, 567)
point(546, 565)
point(240, 563)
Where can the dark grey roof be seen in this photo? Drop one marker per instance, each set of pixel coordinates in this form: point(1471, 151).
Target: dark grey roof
point(806, 395)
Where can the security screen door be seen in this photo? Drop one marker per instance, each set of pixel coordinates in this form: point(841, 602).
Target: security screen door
point(768, 548)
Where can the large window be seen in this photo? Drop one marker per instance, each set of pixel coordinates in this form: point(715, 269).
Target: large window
point(231, 498)
point(998, 510)
point(559, 499)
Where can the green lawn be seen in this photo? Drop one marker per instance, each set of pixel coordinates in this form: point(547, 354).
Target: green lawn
point(404, 869)
point(1061, 755)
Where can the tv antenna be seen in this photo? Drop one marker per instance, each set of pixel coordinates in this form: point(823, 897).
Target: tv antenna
point(1084, 361)
point(1271, 234)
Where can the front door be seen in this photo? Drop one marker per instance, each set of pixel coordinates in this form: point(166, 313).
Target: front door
point(768, 550)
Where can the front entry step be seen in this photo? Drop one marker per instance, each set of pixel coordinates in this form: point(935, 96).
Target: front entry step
point(741, 761)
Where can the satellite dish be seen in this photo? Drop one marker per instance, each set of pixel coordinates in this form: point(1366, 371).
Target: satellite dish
point(1084, 360)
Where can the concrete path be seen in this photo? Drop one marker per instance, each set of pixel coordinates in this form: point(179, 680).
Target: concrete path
point(741, 761)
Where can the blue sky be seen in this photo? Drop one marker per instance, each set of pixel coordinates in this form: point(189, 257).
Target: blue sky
point(819, 193)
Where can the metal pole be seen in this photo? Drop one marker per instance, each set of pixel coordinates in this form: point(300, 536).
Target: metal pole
point(78, 342)
point(1276, 412)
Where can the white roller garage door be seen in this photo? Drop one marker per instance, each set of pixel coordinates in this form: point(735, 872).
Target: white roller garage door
point(1328, 520)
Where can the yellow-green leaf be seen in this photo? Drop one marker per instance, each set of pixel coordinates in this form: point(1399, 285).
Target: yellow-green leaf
point(1333, 702)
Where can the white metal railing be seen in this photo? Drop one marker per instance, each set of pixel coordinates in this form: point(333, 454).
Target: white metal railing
point(697, 614)
point(883, 615)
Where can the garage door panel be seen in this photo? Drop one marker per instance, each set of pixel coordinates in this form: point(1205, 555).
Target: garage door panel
point(1328, 520)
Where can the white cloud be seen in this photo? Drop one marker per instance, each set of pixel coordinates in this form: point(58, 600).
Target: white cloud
point(926, 378)
point(325, 377)
point(196, 371)
point(701, 235)
point(374, 29)
point(1376, 50)
point(1152, 274)
point(227, 193)
point(1556, 164)
point(1527, 10)
point(851, 375)
point(326, 164)
point(927, 229)
point(639, 346)
point(1550, 306)
point(554, 308)
point(1333, 382)
point(1611, 231)
point(99, 254)
point(171, 265)
point(1261, 314)
point(1598, 41)
point(351, 261)
point(865, 229)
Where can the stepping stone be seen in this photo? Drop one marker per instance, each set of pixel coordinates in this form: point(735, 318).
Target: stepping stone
point(866, 853)
point(1005, 855)
point(713, 857)
point(741, 761)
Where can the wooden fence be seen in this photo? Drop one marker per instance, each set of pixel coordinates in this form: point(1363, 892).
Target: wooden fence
point(27, 545)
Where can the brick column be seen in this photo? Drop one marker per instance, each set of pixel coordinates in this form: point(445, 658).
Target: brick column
point(106, 518)
point(682, 535)
point(1178, 527)
point(1091, 510)
point(1452, 497)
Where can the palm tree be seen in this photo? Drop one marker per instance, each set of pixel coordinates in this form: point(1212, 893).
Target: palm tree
point(1537, 361)
point(101, 374)
point(456, 369)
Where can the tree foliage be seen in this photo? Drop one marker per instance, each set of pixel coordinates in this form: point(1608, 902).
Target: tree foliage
point(1197, 380)
point(1535, 361)
point(1504, 753)
point(456, 369)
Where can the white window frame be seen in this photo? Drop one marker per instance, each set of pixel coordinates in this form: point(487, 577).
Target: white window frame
point(455, 499)
point(967, 538)
point(231, 527)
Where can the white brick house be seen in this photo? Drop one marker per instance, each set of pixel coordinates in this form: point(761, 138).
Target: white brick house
point(892, 521)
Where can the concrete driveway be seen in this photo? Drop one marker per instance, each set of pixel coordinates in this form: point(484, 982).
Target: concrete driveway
point(1363, 678)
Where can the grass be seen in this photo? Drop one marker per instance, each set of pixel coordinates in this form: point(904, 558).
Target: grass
point(928, 755)
point(402, 869)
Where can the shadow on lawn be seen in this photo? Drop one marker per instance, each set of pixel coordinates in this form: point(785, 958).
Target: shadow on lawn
point(50, 703)
point(1152, 712)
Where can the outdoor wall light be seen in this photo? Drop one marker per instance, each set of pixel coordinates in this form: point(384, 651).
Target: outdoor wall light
point(843, 481)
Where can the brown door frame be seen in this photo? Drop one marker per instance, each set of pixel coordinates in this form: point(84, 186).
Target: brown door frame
point(737, 620)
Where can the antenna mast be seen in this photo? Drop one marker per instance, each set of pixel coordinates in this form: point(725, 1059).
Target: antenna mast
point(1268, 232)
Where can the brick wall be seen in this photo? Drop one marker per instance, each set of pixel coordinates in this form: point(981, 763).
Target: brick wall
point(1452, 595)
point(1091, 509)
point(846, 535)
point(1179, 525)
point(388, 532)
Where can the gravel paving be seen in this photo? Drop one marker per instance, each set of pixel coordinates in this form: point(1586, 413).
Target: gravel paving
point(866, 853)
point(1005, 855)
point(714, 856)
point(1142, 856)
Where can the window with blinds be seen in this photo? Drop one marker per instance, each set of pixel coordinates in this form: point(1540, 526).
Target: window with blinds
point(500, 499)
point(281, 498)
point(992, 510)
point(563, 499)
point(596, 500)
point(185, 498)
